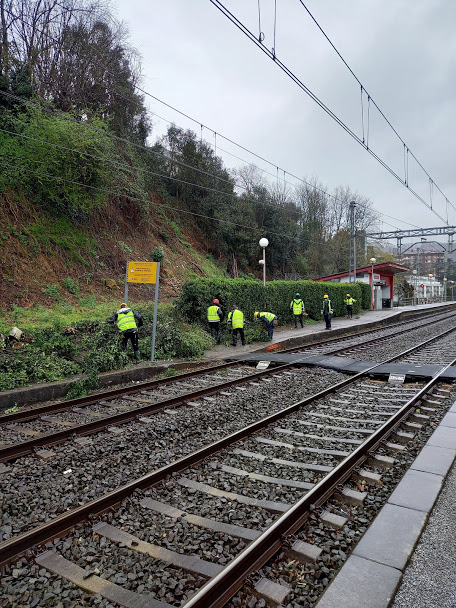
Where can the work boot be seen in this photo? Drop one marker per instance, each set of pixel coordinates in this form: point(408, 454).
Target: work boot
point(137, 356)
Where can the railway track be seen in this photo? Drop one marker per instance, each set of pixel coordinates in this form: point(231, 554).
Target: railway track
point(84, 416)
point(312, 452)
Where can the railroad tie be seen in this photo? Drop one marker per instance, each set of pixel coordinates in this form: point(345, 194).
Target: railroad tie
point(189, 563)
point(268, 505)
point(246, 534)
point(301, 485)
point(92, 583)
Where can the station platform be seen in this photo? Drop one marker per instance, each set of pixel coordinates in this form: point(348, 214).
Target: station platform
point(287, 335)
point(407, 557)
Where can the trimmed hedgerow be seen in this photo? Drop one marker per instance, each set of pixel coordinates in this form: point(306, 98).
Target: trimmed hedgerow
point(366, 298)
point(250, 295)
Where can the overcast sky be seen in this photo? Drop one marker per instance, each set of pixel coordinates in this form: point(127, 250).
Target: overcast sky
point(402, 51)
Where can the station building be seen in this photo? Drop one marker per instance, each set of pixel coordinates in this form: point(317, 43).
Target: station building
point(380, 276)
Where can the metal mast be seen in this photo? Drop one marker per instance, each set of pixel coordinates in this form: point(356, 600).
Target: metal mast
point(352, 261)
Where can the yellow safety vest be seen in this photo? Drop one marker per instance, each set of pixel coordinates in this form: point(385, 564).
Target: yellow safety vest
point(330, 310)
point(212, 314)
point(126, 320)
point(269, 316)
point(237, 319)
point(350, 301)
point(298, 306)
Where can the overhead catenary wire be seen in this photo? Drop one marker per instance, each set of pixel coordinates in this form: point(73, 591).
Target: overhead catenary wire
point(272, 55)
point(370, 97)
point(202, 125)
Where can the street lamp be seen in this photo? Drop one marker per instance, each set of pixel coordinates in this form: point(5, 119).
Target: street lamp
point(264, 243)
point(414, 286)
point(444, 288)
point(372, 261)
point(452, 287)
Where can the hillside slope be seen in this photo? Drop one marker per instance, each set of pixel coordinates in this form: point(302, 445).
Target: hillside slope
point(47, 258)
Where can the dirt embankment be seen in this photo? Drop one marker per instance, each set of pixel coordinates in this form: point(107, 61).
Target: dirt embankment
point(39, 251)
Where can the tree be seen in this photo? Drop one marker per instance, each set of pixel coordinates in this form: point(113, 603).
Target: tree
point(76, 57)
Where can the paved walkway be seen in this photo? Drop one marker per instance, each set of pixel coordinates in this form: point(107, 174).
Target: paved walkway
point(286, 332)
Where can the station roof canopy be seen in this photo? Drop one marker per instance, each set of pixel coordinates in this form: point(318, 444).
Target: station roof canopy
point(385, 268)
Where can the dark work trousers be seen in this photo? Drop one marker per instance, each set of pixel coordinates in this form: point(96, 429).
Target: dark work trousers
point(298, 318)
point(269, 325)
point(132, 335)
point(328, 321)
point(241, 333)
point(350, 311)
point(216, 330)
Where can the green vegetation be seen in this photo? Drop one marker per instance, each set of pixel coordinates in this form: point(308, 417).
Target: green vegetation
point(157, 254)
point(89, 345)
point(53, 292)
point(71, 285)
point(251, 296)
point(83, 387)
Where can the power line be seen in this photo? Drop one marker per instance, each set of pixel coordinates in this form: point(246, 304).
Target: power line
point(318, 101)
point(128, 167)
point(137, 87)
point(142, 200)
point(371, 99)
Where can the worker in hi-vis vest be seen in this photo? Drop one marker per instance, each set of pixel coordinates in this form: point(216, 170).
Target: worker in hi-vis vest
point(327, 311)
point(269, 319)
point(214, 318)
point(298, 309)
point(236, 320)
point(128, 321)
point(349, 301)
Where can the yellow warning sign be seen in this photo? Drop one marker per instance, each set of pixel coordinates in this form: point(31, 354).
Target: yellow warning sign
point(142, 272)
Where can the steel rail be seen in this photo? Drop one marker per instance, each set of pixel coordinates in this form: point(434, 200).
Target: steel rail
point(25, 447)
point(355, 335)
point(218, 590)
point(61, 406)
point(12, 548)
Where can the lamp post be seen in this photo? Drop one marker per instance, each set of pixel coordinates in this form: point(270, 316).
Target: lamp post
point(430, 281)
point(264, 243)
point(372, 261)
point(452, 287)
point(444, 288)
point(414, 286)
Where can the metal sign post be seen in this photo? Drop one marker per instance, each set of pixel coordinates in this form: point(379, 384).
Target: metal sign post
point(154, 329)
point(144, 272)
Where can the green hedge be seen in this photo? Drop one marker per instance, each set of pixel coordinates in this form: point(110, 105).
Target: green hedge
point(366, 298)
point(250, 295)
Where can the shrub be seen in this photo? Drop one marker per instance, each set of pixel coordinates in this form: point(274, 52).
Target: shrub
point(124, 246)
point(366, 295)
point(83, 387)
point(157, 254)
point(71, 285)
point(250, 296)
point(53, 292)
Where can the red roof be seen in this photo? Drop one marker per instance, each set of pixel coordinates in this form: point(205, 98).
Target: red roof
point(385, 268)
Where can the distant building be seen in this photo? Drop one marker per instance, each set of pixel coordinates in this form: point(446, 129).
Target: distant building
point(382, 279)
point(425, 257)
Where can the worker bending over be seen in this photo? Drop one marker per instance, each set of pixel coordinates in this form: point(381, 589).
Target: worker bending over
point(128, 321)
point(269, 319)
